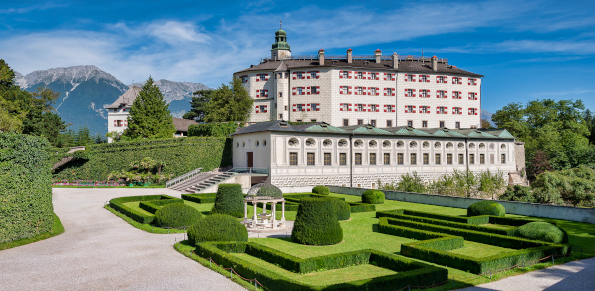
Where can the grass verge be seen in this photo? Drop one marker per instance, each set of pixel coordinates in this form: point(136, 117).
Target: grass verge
point(57, 229)
point(144, 226)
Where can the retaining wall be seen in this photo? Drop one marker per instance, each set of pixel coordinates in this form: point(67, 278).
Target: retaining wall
point(512, 207)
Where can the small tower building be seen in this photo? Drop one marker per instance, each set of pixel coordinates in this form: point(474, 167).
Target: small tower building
point(280, 49)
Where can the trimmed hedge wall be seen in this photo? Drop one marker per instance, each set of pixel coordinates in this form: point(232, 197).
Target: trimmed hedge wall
point(342, 208)
point(229, 200)
point(289, 206)
point(486, 208)
point(118, 205)
point(410, 272)
point(542, 231)
point(154, 205)
point(436, 248)
point(200, 198)
point(373, 197)
point(182, 155)
point(217, 227)
point(26, 208)
point(213, 129)
point(316, 223)
point(177, 215)
point(361, 207)
point(322, 190)
point(355, 206)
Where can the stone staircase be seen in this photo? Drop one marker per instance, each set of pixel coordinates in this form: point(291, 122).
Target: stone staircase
point(202, 181)
point(515, 178)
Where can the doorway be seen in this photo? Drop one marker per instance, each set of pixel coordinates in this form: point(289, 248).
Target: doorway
point(250, 158)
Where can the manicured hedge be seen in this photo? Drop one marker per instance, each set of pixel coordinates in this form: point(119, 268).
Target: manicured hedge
point(213, 129)
point(542, 231)
point(316, 223)
point(512, 221)
point(200, 198)
point(470, 220)
point(373, 197)
point(118, 205)
point(410, 273)
point(181, 155)
point(229, 200)
point(343, 209)
point(177, 215)
point(217, 227)
point(154, 205)
point(26, 208)
point(322, 190)
point(361, 207)
point(486, 208)
point(289, 206)
point(446, 223)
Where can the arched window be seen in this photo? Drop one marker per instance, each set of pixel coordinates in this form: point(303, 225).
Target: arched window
point(293, 142)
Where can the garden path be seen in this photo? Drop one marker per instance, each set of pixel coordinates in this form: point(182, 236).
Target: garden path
point(100, 251)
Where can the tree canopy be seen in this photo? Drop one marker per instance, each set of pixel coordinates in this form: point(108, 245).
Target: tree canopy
point(150, 116)
point(229, 103)
point(199, 105)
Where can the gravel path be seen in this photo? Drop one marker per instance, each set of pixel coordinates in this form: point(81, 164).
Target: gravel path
point(100, 251)
point(575, 276)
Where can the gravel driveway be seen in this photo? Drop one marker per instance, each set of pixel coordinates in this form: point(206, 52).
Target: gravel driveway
point(100, 251)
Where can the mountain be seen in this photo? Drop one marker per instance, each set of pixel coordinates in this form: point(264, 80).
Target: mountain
point(485, 115)
point(86, 90)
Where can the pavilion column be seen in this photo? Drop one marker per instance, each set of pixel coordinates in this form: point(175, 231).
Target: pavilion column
point(245, 211)
point(273, 214)
point(254, 219)
point(283, 211)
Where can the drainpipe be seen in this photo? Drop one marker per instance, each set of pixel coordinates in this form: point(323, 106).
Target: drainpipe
point(467, 163)
point(289, 108)
point(351, 161)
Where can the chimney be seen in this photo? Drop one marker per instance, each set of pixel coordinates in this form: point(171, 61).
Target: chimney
point(395, 61)
point(349, 56)
point(321, 57)
point(435, 63)
point(377, 54)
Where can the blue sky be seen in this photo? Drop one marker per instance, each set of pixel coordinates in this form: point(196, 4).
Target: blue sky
point(525, 49)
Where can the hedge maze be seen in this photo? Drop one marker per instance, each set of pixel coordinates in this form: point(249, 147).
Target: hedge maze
point(438, 234)
point(149, 203)
point(408, 272)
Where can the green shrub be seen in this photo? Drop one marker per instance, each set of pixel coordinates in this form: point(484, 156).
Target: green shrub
point(322, 190)
point(316, 223)
point(486, 207)
point(342, 208)
point(200, 198)
point(118, 205)
point(477, 220)
point(217, 227)
point(542, 231)
point(26, 208)
point(177, 215)
point(229, 200)
point(213, 129)
point(373, 197)
point(154, 205)
point(518, 193)
point(361, 207)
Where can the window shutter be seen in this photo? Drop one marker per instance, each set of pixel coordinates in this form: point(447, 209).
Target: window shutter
point(445, 109)
point(293, 91)
point(307, 108)
point(377, 91)
point(265, 109)
point(257, 93)
point(406, 78)
point(406, 109)
point(294, 107)
point(317, 106)
point(384, 76)
point(340, 74)
point(257, 109)
point(266, 93)
point(364, 90)
point(377, 76)
point(437, 79)
point(437, 110)
point(460, 110)
point(385, 91)
point(349, 74)
point(294, 75)
point(349, 90)
point(377, 107)
point(126, 122)
point(266, 77)
point(429, 108)
point(394, 91)
point(393, 76)
point(317, 89)
point(413, 76)
point(341, 109)
point(349, 106)
point(414, 109)
point(308, 76)
point(303, 75)
point(317, 74)
point(476, 111)
point(413, 92)
point(468, 81)
point(341, 90)
point(370, 91)
point(468, 111)
point(257, 78)
point(308, 90)
point(394, 108)
point(420, 77)
point(385, 108)
point(453, 110)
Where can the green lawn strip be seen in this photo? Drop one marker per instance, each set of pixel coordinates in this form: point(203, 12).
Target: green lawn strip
point(57, 229)
point(479, 250)
point(135, 205)
point(329, 277)
point(143, 226)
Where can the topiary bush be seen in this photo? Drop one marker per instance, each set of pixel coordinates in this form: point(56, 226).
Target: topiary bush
point(177, 215)
point(317, 223)
point(342, 208)
point(486, 207)
point(217, 227)
point(542, 231)
point(229, 200)
point(26, 208)
point(373, 197)
point(322, 190)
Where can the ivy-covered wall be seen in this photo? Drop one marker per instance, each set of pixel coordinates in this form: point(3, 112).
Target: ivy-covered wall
point(26, 208)
point(181, 155)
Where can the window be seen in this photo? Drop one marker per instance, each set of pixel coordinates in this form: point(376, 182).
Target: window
point(424, 109)
point(300, 90)
point(471, 159)
point(400, 159)
point(345, 74)
point(299, 75)
point(389, 91)
point(441, 124)
point(423, 78)
point(345, 106)
point(312, 120)
point(389, 108)
point(358, 158)
point(293, 159)
point(373, 122)
point(373, 91)
point(441, 110)
point(437, 159)
point(413, 158)
point(119, 123)
point(409, 93)
point(310, 159)
point(360, 107)
point(456, 80)
point(457, 125)
point(456, 110)
point(426, 159)
point(345, 90)
point(461, 159)
point(389, 77)
point(503, 159)
point(360, 90)
point(424, 124)
point(472, 82)
point(281, 116)
point(314, 107)
point(389, 123)
point(491, 158)
point(262, 93)
point(313, 75)
point(472, 96)
point(387, 158)
point(342, 159)
point(449, 159)
point(456, 95)
point(327, 159)
point(409, 78)
point(374, 107)
point(372, 159)
point(360, 75)
point(299, 107)
point(262, 108)
point(360, 122)
point(441, 79)
point(423, 93)
point(280, 94)
point(314, 90)
point(410, 123)
point(441, 94)
point(472, 111)
point(345, 122)
point(409, 108)
point(373, 76)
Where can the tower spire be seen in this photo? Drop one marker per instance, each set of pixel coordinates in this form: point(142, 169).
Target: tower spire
point(280, 25)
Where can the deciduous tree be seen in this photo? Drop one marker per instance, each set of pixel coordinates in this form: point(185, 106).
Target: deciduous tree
point(229, 103)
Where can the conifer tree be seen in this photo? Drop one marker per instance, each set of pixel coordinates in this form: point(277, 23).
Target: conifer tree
point(150, 116)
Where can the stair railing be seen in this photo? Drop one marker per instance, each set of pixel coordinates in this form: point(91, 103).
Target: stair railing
point(182, 178)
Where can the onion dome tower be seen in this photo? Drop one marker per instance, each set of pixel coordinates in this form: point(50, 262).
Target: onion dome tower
point(280, 49)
